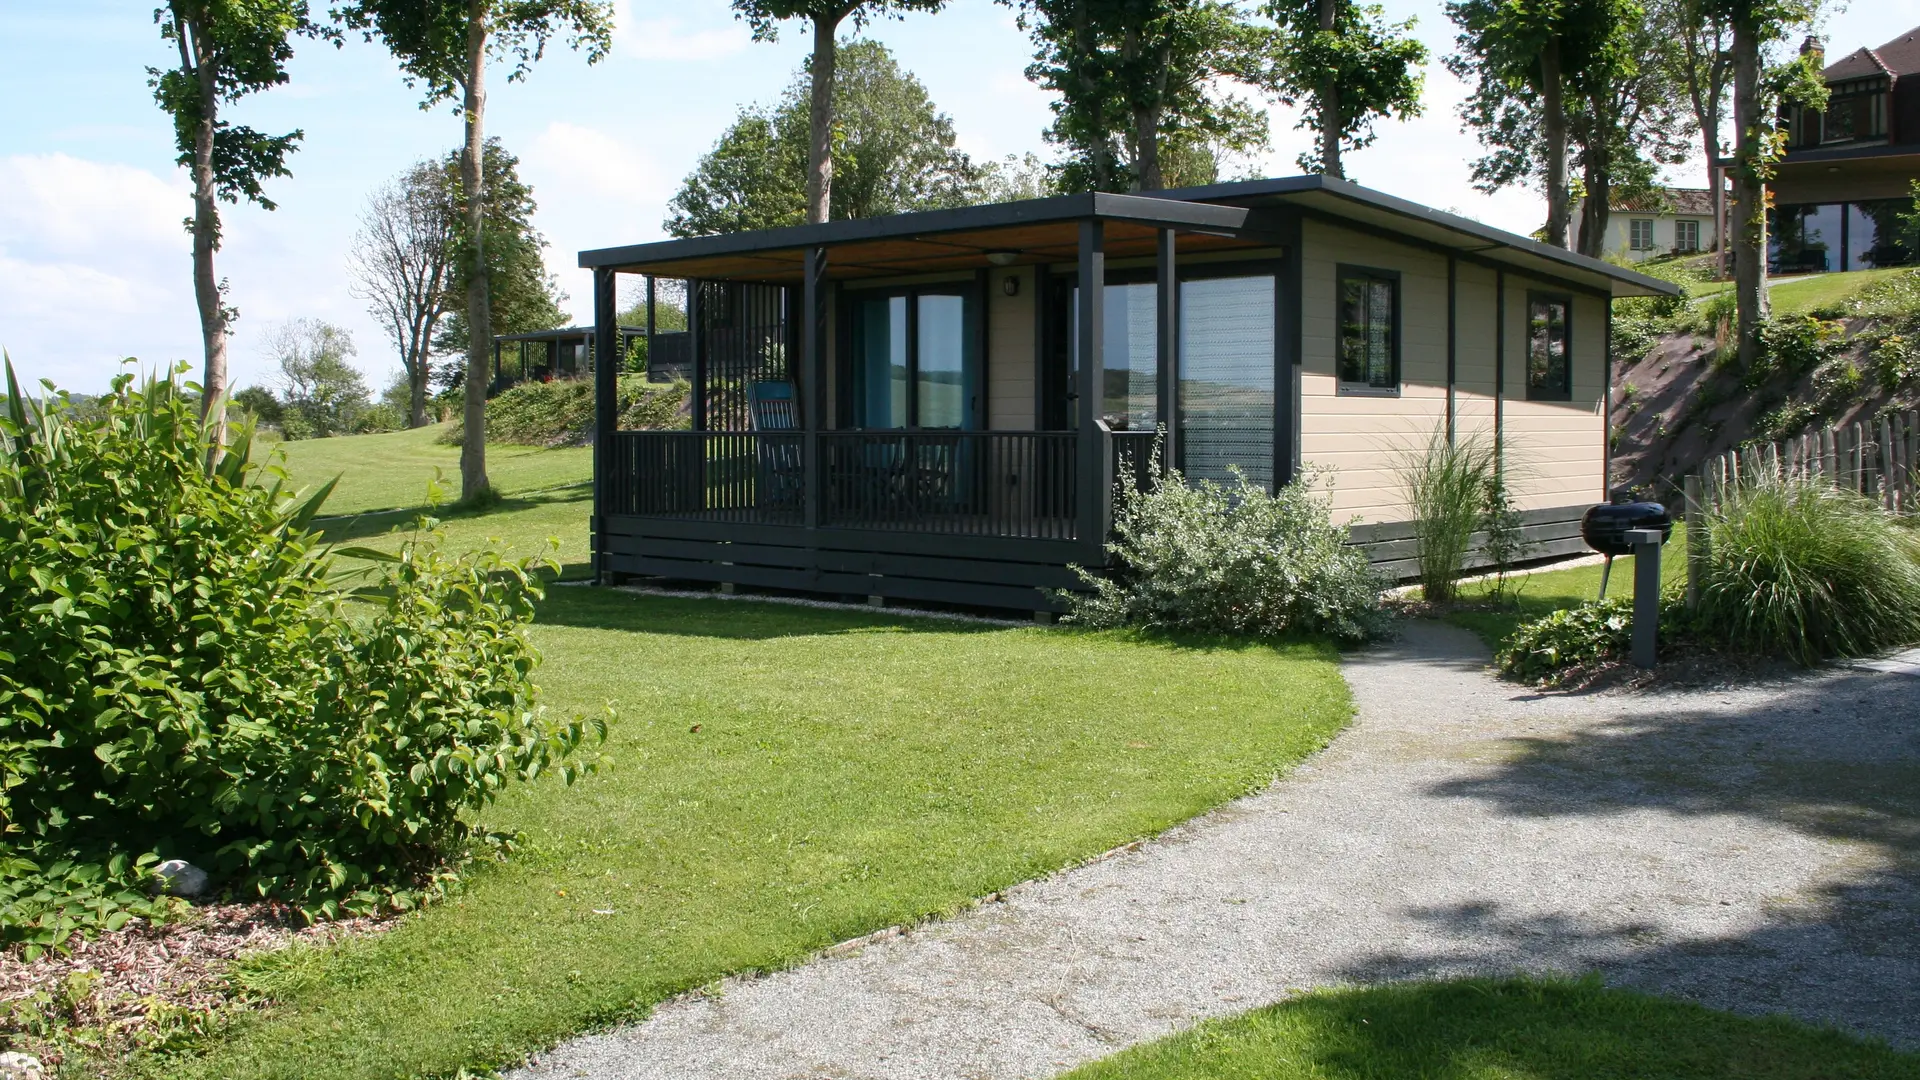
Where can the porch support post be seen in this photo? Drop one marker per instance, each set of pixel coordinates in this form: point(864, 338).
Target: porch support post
point(1168, 327)
point(813, 379)
point(650, 321)
point(606, 411)
point(697, 346)
point(1094, 467)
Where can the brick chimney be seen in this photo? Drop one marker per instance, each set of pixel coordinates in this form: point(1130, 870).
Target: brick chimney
point(1815, 48)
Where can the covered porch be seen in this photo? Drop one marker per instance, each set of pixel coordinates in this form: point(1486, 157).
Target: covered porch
point(927, 436)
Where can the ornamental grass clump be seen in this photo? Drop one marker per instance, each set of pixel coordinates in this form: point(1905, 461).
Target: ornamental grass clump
point(1447, 485)
point(182, 675)
point(1232, 559)
point(1797, 568)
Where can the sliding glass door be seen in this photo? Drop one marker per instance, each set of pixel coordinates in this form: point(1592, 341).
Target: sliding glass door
point(914, 360)
point(1227, 364)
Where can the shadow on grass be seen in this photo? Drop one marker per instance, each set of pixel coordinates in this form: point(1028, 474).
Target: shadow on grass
point(340, 530)
point(612, 609)
point(1539, 1029)
point(1835, 758)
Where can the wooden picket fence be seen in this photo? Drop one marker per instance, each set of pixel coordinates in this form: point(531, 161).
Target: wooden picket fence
point(1880, 460)
point(1877, 460)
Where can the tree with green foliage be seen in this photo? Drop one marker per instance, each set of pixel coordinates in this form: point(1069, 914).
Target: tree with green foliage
point(444, 47)
point(896, 153)
point(1759, 139)
point(1140, 83)
point(228, 50)
point(1704, 66)
point(522, 295)
point(1627, 120)
point(764, 16)
point(1520, 56)
point(1348, 65)
point(321, 393)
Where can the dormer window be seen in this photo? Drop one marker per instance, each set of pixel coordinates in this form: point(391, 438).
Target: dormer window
point(1856, 111)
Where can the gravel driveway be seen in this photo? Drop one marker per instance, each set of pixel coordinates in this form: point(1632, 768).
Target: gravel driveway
point(1756, 850)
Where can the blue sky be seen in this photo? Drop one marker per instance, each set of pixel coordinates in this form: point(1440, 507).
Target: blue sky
point(94, 264)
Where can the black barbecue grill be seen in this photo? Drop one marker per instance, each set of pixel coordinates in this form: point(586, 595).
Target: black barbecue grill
point(1605, 528)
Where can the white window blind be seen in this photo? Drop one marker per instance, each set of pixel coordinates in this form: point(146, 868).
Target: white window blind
point(1227, 365)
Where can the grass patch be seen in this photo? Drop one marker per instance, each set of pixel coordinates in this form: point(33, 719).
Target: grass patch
point(392, 470)
point(1541, 593)
point(784, 778)
point(1501, 1030)
point(518, 526)
point(1825, 292)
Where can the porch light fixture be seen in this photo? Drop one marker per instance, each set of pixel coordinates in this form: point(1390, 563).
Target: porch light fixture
point(1011, 285)
point(1003, 258)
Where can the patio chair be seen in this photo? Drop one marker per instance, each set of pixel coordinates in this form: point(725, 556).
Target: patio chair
point(775, 413)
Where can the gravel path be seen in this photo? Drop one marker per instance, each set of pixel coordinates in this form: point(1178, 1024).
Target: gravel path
point(1756, 849)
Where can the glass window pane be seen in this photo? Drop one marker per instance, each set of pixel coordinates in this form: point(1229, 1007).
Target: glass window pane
point(1366, 332)
point(1549, 371)
point(1227, 363)
point(880, 362)
point(1130, 360)
point(1876, 236)
point(1806, 239)
point(943, 387)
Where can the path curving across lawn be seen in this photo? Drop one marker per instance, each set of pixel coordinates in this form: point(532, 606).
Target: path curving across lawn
point(785, 778)
point(1753, 850)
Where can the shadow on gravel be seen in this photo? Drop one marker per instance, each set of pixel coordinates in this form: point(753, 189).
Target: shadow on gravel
point(1837, 758)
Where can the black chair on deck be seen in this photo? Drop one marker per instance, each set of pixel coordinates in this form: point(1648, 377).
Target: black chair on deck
point(775, 411)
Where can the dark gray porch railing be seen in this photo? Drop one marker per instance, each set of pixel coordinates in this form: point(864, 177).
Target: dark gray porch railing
point(1133, 458)
point(974, 483)
point(968, 483)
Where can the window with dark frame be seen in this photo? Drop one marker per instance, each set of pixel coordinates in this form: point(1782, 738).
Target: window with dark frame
point(1640, 234)
point(1686, 235)
point(1549, 348)
point(1369, 331)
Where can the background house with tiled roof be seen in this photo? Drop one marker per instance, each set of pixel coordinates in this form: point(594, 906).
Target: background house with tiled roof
point(1846, 178)
point(1664, 221)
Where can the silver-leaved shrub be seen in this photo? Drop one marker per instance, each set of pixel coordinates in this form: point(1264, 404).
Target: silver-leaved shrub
point(1209, 558)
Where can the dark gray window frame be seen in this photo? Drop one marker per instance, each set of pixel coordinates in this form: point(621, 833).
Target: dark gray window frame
point(971, 292)
point(1342, 272)
point(1535, 296)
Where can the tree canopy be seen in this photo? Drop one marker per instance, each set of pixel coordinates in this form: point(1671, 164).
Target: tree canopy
point(228, 49)
point(523, 294)
point(1143, 98)
point(895, 153)
point(1347, 74)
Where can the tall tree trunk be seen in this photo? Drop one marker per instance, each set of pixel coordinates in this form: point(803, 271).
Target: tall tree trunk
point(1749, 215)
point(1554, 125)
point(1146, 125)
point(1705, 96)
point(820, 120)
point(417, 376)
point(1330, 119)
point(199, 55)
point(473, 448)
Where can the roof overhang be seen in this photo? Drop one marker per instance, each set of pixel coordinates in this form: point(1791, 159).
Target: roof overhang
point(1218, 217)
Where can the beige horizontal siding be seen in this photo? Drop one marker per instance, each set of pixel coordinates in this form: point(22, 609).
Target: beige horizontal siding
point(1355, 440)
point(1010, 361)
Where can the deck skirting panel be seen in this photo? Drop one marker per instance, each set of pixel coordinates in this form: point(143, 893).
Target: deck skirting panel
point(1547, 533)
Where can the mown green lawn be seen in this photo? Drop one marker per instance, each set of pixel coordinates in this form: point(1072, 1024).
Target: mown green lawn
point(1534, 595)
point(785, 778)
point(1800, 295)
point(391, 470)
point(1500, 1030)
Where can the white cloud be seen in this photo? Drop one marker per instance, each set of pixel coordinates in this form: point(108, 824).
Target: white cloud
point(65, 204)
point(570, 158)
point(715, 35)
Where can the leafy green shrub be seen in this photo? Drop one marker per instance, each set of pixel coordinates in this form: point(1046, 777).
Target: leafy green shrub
point(1799, 569)
point(560, 413)
point(1545, 649)
point(180, 678)
point(1232, 559)
point(1795, 345)
point(1895, 360)
point(1638, 321)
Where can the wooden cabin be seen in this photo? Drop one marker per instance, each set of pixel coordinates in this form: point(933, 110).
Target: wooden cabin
point(928, 406)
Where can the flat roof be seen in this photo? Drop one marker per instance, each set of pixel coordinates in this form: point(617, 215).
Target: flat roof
point(1216, 217)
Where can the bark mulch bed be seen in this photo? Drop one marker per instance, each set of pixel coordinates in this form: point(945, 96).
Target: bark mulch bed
point(116, 983)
